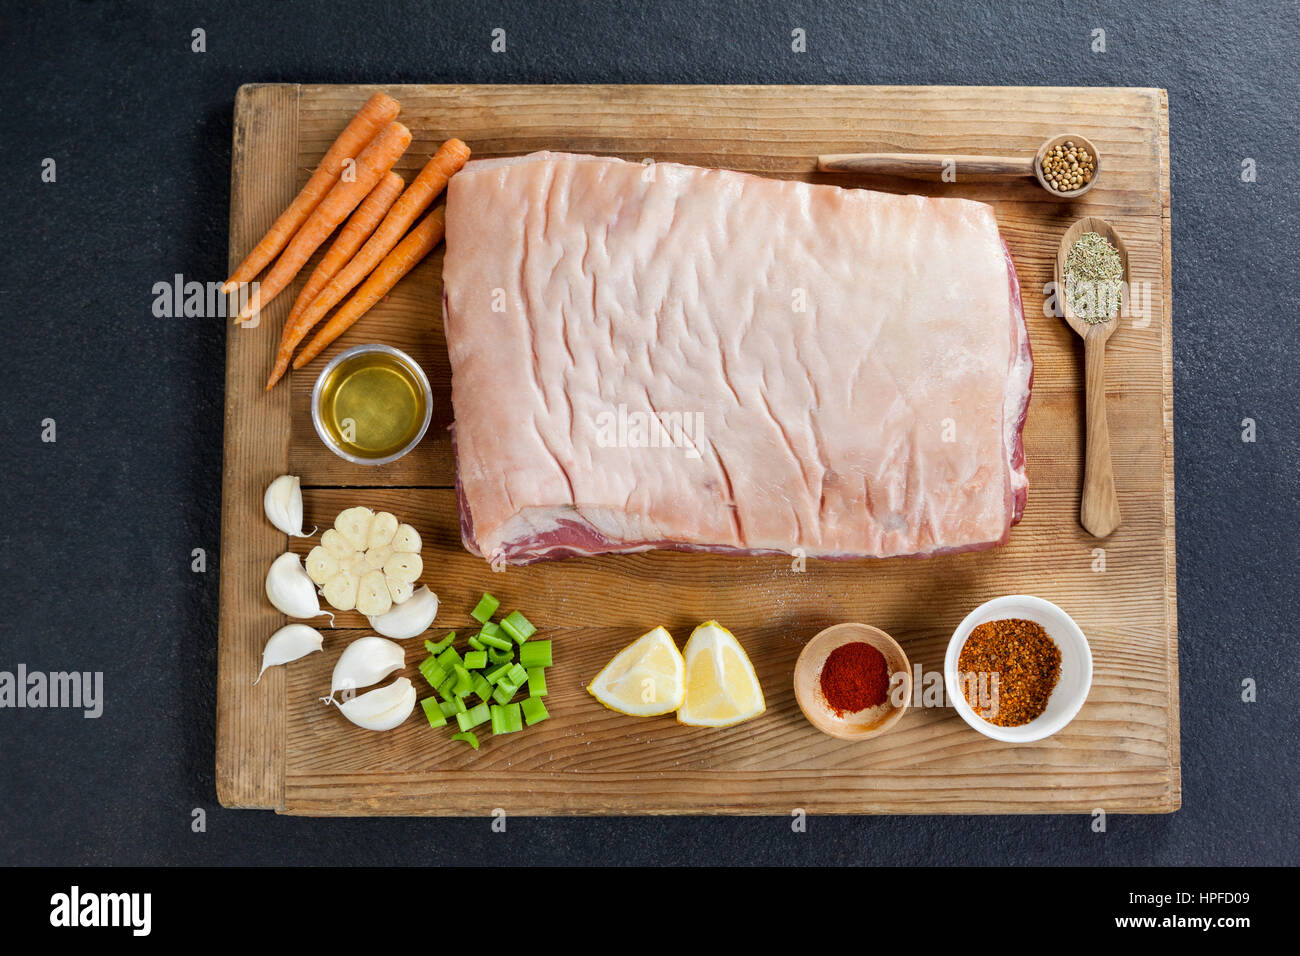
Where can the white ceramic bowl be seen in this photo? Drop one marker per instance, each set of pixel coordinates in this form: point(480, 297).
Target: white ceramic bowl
point(1076, 666)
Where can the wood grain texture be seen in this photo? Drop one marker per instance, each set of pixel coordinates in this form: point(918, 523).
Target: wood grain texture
point(251, 720)
point(1120, 753)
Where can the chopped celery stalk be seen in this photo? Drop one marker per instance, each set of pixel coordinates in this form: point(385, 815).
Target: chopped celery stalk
point(448, 708)
point(517, 674)
point(478, 714)
point(534, 710)
point(441, 646)
point(490, 640)
point(482, 687)
point(536, 682)
point(499, 656)
point(504, 692)
point(468, 737)
point(496, 673)
point(459, 703)
point(486, 607)
point(433, 671)
point(496, 720)
point(449, 657)
point(510, 717)
point(463, 683)
point(492, 630)
point(535, 654)
point(446, 689)
point(475, 644)
point(518, 626)
point(433, 712)
point(476, 660)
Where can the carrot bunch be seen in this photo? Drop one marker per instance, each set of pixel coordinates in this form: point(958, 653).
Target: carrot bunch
point(373, 250)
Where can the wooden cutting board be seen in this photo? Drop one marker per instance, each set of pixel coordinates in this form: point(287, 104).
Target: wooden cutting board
point(278, 747)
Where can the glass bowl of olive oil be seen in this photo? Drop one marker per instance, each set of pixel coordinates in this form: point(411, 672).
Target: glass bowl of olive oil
point(371, 404)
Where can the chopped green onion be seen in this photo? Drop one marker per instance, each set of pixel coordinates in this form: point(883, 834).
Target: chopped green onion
point(517, 674)
point(482, 687)
point(442, 645)
point(433, 712)
point(534, 710)
point(469, 738)
point(486, 607)
point(500, 656)
point(504, 692)
point(500, 643)
point(476, 660)
point(511, 718)
point(518, 627)
point(448, 708)
point(535, 654)
point(476, 644)
point(537, 682)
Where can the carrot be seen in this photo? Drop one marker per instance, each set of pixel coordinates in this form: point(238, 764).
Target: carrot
point(378, 112)
point(418, 243)
point(344, 196)
point(350, 238)
point(444, 164)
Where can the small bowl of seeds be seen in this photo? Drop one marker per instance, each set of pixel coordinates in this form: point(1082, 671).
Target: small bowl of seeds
point(1067, 166)
point(1018, 669)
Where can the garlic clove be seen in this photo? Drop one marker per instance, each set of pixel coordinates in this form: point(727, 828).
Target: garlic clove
point(321, 565)
point(283, 505)
point(409, 619)
point(404, 567)
point(336, 544)
point(381, 709)
point(290, 590)
point(341, 590)
point(372, 596)
point(399, 591)
point(406, 539)
point(365, 661)
point(354, 525)
point(289, 643)
point(382, 530)
point(376, 558)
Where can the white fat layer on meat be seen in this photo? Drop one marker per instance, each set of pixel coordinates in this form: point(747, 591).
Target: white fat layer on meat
point(852, 362)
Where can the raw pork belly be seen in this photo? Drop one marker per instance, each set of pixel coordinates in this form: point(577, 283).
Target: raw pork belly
point(673, 357)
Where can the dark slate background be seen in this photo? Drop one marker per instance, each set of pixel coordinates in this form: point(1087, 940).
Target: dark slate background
point(98, 527)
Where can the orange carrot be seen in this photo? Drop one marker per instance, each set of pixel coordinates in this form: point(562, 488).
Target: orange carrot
point(419, 242)
point(451, 156)
point(350, 238)
point(344, 196)
point(379, 111)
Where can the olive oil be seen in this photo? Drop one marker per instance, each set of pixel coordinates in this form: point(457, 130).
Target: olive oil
point(372, 405)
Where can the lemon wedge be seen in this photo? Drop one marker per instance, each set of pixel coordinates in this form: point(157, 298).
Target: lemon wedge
point(644, 679)
point(721, 686)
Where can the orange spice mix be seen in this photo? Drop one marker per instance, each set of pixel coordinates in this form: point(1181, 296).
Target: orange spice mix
point(1027, 662)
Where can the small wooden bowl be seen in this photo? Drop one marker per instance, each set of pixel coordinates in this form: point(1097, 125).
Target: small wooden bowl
point(808, 691)
point(1058, 141)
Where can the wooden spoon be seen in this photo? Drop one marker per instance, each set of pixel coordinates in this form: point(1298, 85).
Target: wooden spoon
point(1099, 509)
point(932, 165)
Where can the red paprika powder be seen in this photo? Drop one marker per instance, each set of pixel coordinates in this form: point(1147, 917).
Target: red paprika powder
point(855, 677)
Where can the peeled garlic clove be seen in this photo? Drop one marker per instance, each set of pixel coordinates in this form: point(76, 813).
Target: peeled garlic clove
point(381, 709)
point(372, 596)
point(410, 619)
point(354, 525)
point(404, 567)
point(321, 565)
point(336, 544)
point(399, 591)
point(376, 558)
point(382, 530)
point(288, 644)
point(283, 505)
point(341, 590)
point(365, 661)
point(289, 588)
point(406, 539)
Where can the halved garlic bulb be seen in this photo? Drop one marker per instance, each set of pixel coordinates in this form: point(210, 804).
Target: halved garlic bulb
point(367, 561)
